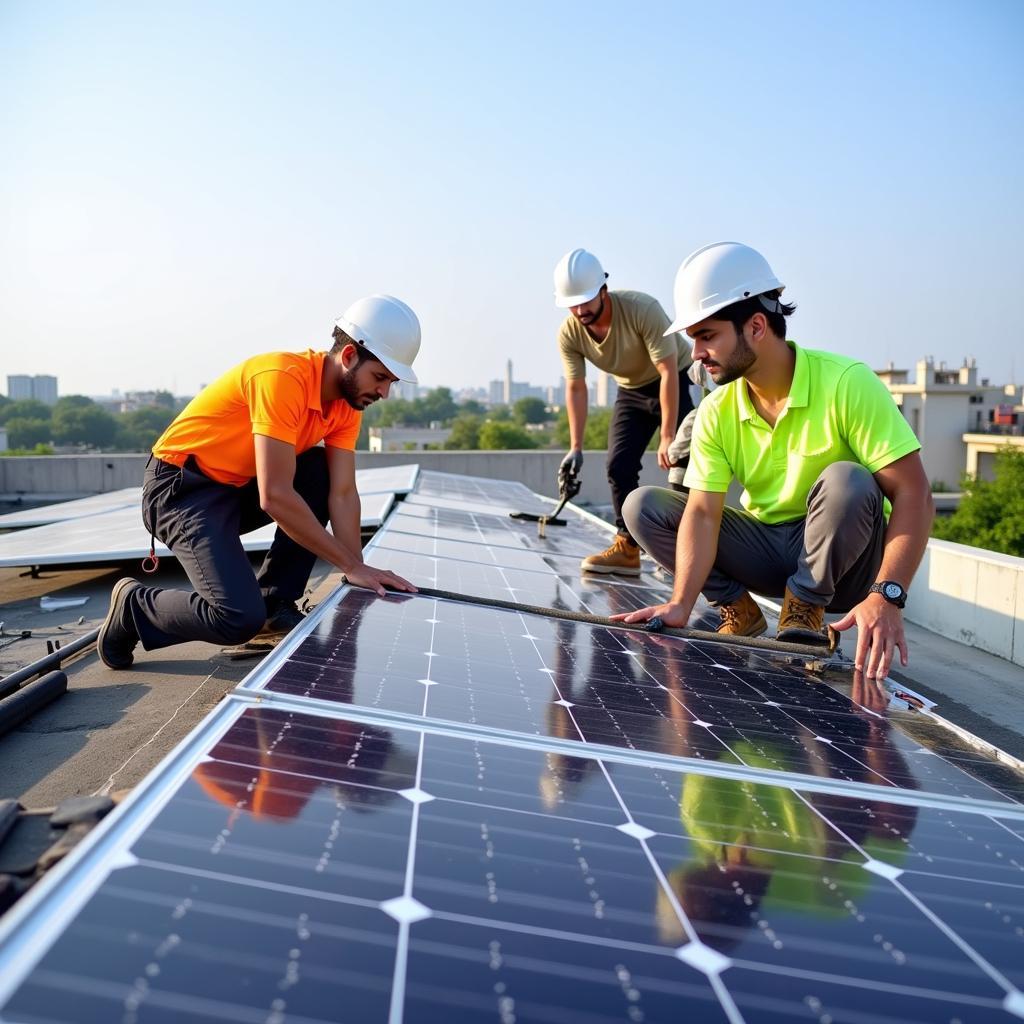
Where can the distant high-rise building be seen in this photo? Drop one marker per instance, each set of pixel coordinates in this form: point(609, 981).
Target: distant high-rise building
point(42, 387)
point(405, 389)
point(607, 389)
point(19, 387)
point(508, 396)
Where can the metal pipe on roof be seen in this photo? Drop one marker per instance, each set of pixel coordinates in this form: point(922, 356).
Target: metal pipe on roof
point(11, 683)
point(30, 699)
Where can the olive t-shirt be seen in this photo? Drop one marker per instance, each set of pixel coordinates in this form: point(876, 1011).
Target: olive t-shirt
point(635, 342)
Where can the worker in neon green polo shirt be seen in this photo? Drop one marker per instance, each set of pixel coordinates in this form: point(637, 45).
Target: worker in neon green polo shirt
point(824, 456)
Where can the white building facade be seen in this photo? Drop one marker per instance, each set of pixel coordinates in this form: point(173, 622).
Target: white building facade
point(942, 405)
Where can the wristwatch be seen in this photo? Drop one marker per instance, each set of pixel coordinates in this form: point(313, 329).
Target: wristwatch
point(891, 591)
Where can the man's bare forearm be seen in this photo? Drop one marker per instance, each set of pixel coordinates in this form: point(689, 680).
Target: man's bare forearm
point(668, 396)
point(345, 511)
point(696, 547)
point(288, 509)
point(576, 407)
point(906, 537)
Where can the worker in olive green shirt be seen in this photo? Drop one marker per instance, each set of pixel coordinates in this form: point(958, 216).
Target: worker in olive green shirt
point(836, 505)
point(622, 333)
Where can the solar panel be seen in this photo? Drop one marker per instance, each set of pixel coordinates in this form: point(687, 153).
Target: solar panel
point(318, 868)
point(421, 809)
point(376, 480)
point(119, 534)
point(64, 510)
point(387, 479)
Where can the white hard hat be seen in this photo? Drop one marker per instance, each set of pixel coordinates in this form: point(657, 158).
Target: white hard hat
point(388, 328)
point(716, 276)
point(578, 278)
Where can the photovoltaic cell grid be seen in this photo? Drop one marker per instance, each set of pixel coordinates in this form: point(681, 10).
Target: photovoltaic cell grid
point(372, 842)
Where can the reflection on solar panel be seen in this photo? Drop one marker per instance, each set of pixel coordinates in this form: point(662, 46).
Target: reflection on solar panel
point(420, 809)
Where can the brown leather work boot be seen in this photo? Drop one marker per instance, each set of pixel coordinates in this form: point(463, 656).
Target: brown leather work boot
point(622, 557)
point(800, 622)
point(741, 618)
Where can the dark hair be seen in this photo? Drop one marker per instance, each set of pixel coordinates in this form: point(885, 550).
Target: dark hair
point(341, 339)
point(740, 312)
point(721, 901)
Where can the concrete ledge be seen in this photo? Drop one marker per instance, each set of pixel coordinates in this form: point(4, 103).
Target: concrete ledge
point(971, 595)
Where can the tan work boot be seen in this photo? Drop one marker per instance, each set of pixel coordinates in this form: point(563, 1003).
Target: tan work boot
point(800, 622)
point(622, 557)
point(741, 618)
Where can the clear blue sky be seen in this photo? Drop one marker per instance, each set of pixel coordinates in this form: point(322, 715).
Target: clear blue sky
point(184, 184)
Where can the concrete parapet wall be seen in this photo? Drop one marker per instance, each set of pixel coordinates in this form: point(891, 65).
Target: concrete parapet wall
point(56, 477)
point(971, 595)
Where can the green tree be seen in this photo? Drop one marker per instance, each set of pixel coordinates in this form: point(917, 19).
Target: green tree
point(392, 413)
point(438, 405)
point(25, 409)
point(595, 435)
point(991, 513)
point(165, 400)
point(72, 402)
point(495, 434)
point(530, 410)
point(137, 431)
point(471, 407)
point(89, 425)
point(39, 449)
point(27, 431)
point(465, 435)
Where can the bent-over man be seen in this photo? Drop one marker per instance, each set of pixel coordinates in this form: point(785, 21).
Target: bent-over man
point(622, 333)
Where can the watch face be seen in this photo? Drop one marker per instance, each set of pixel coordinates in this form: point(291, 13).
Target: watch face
point(892, 591)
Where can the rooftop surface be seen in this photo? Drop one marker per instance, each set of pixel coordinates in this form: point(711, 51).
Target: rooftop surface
point(409, 792)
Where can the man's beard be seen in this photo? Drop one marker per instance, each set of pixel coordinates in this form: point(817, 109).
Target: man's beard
point(740, 361)
point(594, 317)
point(350, 392)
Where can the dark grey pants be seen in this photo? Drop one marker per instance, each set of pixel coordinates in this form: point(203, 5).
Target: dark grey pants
point(201, 521)
point(636, 415)
point(829, 559)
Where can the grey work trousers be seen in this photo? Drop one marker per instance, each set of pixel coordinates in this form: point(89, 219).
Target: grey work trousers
point(201, 521)
point(829, 559)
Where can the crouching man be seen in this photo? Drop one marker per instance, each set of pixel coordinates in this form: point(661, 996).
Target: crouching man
point(244, 452)
point(836, 505)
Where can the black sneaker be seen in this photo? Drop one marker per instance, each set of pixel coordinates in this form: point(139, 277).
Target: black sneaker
point(283, 620)
point(117, 637)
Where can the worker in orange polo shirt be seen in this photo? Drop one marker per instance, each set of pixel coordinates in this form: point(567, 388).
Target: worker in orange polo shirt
point(246, 451)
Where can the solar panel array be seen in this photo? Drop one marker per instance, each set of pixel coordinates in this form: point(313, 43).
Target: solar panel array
point(421, 809)
point(109, 527)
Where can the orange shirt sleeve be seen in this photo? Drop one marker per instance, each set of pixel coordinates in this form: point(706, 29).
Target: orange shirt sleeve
point(345, 432)
point(277, 403)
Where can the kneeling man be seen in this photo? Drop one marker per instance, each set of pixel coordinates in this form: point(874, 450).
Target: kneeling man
point(244, 452)
point(836, 505)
